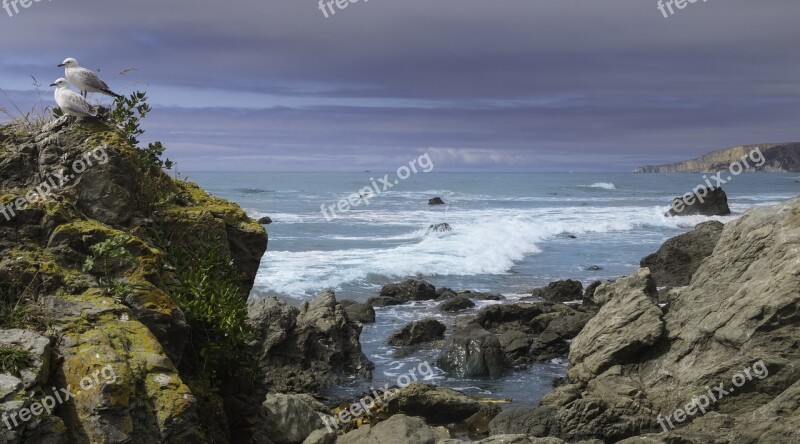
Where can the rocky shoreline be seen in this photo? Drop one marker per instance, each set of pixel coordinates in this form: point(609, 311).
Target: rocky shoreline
point(96, 281)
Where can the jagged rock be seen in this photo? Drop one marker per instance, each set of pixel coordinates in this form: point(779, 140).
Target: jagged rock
point(632, 365)
point(532, 332)
point(589, 293)
point(397, 429)
point(265, 220)
point(472, 351)
point(135, 331)
point(308, 348)
point(706, 202)
point(627, 323)
point(358, 312)
point(458, 303)
point(290, 419)
point(678, 258)
point(436, 201)
point(560, 291)
point(418, 332)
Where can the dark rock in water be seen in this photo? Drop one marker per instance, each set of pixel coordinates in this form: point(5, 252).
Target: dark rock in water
point(363, 313)
point(384, 301)
point(440, 405)
point(560, 291)
point(445, 293)
point(410, 290)
point(706, 202)
point(418, 332)
point(439, 228)
point(473, 352)
point(678, 258)
point(265, 220)
point(308, 348)
point(458, 303)
point(594, 268)
point(531, 332)
point(436, 201)
point(481, 296)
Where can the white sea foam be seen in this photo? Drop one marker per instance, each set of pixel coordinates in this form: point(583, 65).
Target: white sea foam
point(482, 242)
point(603, 185)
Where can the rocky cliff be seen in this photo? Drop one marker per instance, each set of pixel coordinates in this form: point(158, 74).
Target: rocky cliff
point(717, 364)
point(105, 265)
point(777, 158)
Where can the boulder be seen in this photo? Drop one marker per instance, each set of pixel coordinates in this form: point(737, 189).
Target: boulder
point(472, 351)
point(290, 419)
point(627, 323)
point(445, 293)
point(436, 201)
point(418, 332)
point(265, 220)
point(308, 348)
point(409, 290)
point(440, 405)
point(481, 296)
point(560, 291)
point(399, 429)
point(363, 313)
point(705, 202)
point(455, 304)
point(678, 258)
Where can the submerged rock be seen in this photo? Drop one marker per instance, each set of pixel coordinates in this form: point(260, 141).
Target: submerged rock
point(265, 220)
point(403, 292)
point(439, 228)
point(436, 201)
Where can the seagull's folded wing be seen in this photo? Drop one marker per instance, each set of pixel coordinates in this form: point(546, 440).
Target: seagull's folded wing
point(75, 103)
point(89, 78)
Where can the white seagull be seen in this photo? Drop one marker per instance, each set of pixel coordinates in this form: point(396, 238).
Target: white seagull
point(85, 79)
point(70, 102)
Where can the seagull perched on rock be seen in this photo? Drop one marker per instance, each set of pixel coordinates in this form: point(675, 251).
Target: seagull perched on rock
point(70, 102)
point(85, 79)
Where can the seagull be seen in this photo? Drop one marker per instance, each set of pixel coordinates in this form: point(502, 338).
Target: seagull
point(70, 102)
point(85, 79)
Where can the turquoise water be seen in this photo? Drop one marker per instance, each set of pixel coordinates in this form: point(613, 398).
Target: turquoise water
point(510, 234)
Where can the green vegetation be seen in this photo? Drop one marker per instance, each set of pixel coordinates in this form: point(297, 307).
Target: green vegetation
point(128, 113)
point(13, 360)
point(18, 310)
point(110, 253)
point(211, 298)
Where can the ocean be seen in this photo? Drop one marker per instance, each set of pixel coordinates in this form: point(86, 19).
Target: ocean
point(511, 233)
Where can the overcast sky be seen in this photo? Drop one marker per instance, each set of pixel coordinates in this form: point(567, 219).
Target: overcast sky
point(536, 85)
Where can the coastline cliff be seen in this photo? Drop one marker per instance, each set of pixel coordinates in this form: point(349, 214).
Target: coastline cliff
point(778, 158)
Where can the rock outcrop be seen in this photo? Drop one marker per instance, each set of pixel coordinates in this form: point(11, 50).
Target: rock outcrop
point(731, 332)
point(707, 202)
point(305, 349)
point(472, 351)
point(403, 292)
point(678, 258)
point(116, 316)
point(458, 303)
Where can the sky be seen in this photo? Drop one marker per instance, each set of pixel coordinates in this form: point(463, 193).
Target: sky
point(505, 85)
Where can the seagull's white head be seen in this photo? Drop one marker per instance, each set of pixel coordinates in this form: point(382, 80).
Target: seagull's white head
point(60, 84)
point(69, 63)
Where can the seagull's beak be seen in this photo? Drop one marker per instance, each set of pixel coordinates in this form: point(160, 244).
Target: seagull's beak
point(52, 84)
point(61, 65)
